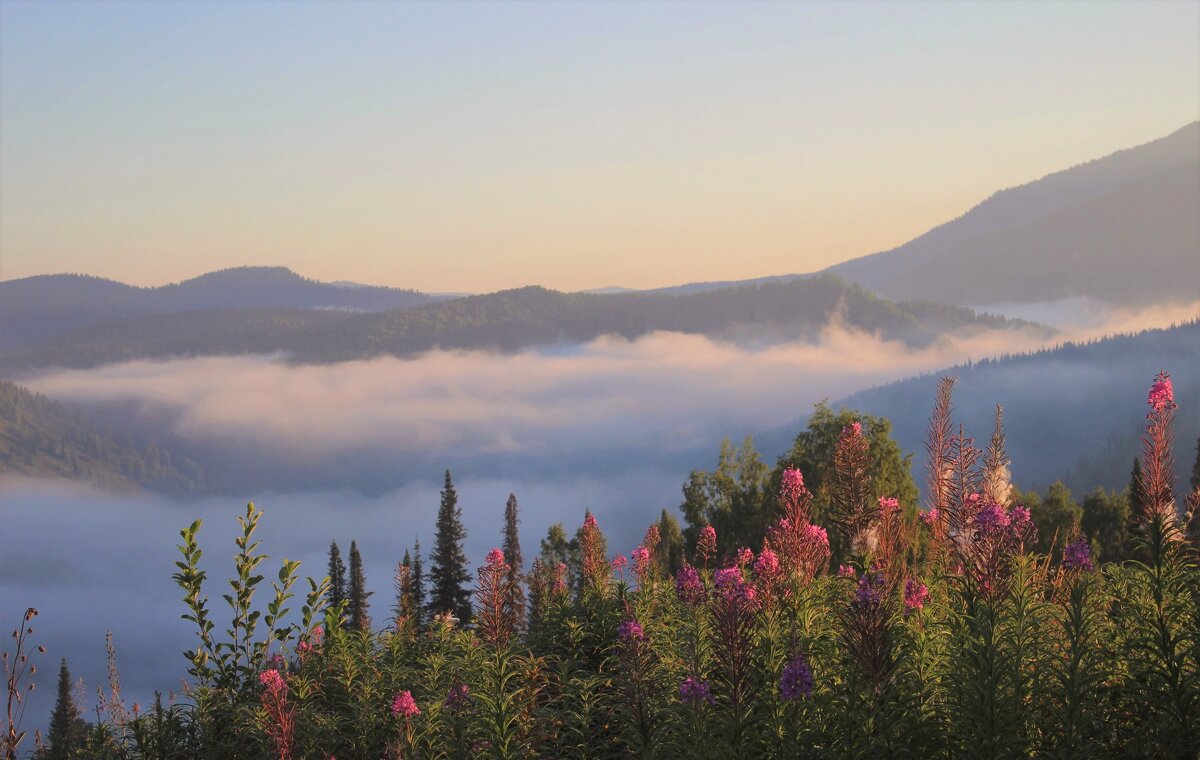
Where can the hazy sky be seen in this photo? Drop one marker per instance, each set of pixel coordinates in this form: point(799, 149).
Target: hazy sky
point(462, 146)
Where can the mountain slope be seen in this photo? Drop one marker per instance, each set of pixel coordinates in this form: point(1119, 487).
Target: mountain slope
point(42, 438)
point(1072, 412)
point(507, 321)
point(35, 308)
point(1123, 228)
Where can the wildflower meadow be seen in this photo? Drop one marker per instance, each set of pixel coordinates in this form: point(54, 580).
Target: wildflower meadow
point(935, 633)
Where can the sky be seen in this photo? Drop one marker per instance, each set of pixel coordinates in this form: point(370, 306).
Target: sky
point(474, 147)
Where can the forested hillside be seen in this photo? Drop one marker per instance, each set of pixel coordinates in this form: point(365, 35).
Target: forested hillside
point(43, 438)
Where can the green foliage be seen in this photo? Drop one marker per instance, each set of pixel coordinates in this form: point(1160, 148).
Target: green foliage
point(1105, 523)
point(739, 498)
point(1056, 515)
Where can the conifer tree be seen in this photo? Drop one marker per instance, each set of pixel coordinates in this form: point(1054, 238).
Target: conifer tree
point(449, 575)
point(403, 607)
point(359, 620)
point(418, 585)
point(67, 727)
point(337, 576)
point(515, 603)
point(669, 554)
point(1137, 511)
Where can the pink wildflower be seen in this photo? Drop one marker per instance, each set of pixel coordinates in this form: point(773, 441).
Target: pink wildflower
point(847, 571)
point(619, 563)
point(630, 630)
point(403, 705)
point(641, 560)
point(887, 504)
point(930, 518)
point(915, 595)
point(1162, 393)
point(688, 586)
point(589, 520)
point(792, 484)
point(744, 557)
point(707, 546)
point(767, 564)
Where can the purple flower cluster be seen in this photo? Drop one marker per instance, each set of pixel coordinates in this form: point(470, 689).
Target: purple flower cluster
point(693, 691)
point(458, 698)
point(797, 679)
point(993, 518)
point(1077, 555)
point(870, 589)
point(630, 630)
point(689, 588)
point(731, 585)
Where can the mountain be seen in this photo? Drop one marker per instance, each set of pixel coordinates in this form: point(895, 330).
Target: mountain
point(35, 308)
point(506, 321)
point(42, 438)
point(1123, 229)
point(1074, 412)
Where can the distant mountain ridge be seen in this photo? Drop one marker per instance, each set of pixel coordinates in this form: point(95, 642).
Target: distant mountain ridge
point(506, 321)
point(1123, 228)
point(35, 308)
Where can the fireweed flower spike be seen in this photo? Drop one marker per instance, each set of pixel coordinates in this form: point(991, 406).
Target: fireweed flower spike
point(797, 679)
point(915, 595)
point(689, 588)
point(693, 691)
point(630, 630)
point(1077, 555)
point(404, 706)
point(707, 545)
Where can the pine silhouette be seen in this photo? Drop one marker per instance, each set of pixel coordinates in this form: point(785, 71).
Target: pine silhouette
point(418, 585)
point(449, 575)
point(337, 576)
point(359, 620)
point(515, 603)
point(404, 593)
point(1137, 512)
point(67, 727)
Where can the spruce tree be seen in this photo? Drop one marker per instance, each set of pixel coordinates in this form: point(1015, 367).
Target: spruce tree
point(403, 607)
point(67, 727)
point(449, 575)
point(515, 604)
point(1137, 512)
point(357, 611)
point(418, 585)
point(337, 576)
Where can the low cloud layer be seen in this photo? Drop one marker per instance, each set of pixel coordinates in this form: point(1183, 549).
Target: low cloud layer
point(670, 389)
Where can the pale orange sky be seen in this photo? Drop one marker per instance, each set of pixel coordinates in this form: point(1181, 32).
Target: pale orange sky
point(474, 147)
